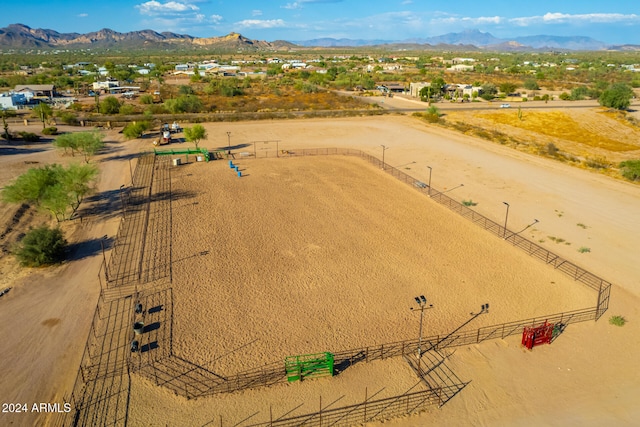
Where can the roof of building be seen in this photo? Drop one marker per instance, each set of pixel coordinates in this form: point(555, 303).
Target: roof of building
point(38, 88)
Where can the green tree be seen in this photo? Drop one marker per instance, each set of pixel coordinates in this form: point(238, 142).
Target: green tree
point(507, 87)
point(41, 246)
point(110, 105)
point(85, 143)
point(135, 129)
point(489, 91)
point(184, 104)
point(53, 188)
point(32, 186)
point(617, 96)
point(437, 86)
point(195, 134)
point(43, 112)
point(185, 90)
point(77, 182)
point(531, 84)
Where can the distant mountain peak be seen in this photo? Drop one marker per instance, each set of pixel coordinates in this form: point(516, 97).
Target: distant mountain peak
point(22, 36)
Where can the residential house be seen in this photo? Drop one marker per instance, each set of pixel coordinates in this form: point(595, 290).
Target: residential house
point(37, 91)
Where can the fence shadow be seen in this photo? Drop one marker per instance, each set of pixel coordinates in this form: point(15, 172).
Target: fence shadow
point(88, 248)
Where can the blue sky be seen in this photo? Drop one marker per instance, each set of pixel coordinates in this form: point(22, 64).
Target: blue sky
point(613, 21)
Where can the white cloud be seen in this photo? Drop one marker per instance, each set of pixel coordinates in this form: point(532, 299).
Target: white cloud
point(256, 12)
point(294, 5)
point(405, 2)
point(261, 24)
point(153, 8)
point(565, 18)
point(82, 15)
point(216, 19)
point(300, 3)
point(480, 20)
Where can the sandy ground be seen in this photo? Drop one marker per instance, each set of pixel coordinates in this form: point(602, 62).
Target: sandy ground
point(306, 255)
point(587, 377)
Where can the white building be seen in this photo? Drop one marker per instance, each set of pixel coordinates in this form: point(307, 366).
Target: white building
point(12, 101)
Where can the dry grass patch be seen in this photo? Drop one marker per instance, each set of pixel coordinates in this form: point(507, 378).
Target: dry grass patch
point(561, 125)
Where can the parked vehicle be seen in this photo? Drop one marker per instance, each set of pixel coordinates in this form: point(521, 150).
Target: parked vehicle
point(505, 106)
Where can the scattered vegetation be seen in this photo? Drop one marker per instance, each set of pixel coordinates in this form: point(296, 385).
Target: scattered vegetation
point(617, 320)
point(41, 246)
point(584, 249)
point(581, 225)
point(558, 240)
point(469, 202)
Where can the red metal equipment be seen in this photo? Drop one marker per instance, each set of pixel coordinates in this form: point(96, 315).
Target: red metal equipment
point(535, 335)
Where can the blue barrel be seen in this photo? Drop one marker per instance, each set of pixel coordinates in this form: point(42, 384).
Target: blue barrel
point(237, 168)
point(230, 164)
point(239, 174)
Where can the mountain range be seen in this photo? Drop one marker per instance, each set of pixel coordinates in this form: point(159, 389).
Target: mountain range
point(19, 36)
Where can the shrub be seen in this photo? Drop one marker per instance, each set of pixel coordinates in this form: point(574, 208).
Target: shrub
point(469, 202)
point(617, 320)
point(597, 162)
point(617, 96)
point(29, 136)
point(146, 99)
point(110, 105)
point(584, 249)
point(41, 246)
point(135, 130)
point(127, 109)
point(50, 131)
point(68, 118)
point(630, 169)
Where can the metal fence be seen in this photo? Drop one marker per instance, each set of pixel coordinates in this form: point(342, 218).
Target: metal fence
point(368, 411)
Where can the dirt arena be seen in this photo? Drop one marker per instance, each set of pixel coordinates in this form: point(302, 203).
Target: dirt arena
point(313, 254)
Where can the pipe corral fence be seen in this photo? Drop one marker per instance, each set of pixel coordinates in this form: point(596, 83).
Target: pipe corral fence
point(199, 384)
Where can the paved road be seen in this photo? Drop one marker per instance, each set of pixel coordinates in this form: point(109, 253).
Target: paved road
point(407, 104)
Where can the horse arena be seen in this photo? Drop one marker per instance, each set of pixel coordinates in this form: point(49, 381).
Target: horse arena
point(302, 254)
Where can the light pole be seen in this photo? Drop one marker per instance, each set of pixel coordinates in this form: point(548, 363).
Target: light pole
point(422, 303)
point(384, 148)
point(506, 218)
point(430, 170)
point(228, 142)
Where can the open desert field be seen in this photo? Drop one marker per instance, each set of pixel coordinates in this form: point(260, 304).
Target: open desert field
point(389, 252)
